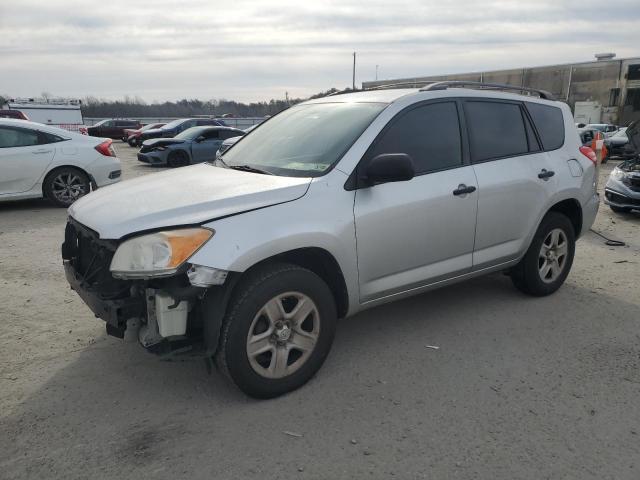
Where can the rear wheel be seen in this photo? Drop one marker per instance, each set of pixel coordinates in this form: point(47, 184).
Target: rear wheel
point(65, 185)
point(179, 158)
point(278, 330)
point(548, 260)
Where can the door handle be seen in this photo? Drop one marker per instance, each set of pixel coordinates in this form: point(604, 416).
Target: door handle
point(546, 174)
point(463, 189)
point(41, 151)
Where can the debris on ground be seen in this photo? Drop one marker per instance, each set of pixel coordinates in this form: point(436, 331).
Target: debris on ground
point(292, 434)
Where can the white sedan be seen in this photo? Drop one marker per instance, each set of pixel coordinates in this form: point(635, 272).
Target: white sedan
point(41, 161)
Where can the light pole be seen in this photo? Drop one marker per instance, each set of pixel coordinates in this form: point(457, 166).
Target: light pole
point(354, 71)
point(377, 72)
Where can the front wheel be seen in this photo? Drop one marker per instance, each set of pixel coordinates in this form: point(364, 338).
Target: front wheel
point(278, 330)
point(548, 260)
point(179, 158)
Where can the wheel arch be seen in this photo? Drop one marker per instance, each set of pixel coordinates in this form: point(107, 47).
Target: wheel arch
point(571, 209)
point(322, 263)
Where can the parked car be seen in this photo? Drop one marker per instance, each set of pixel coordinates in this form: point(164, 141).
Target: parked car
point(41, 161)
point(622, 190)
point(194, 145)
point(173, 128)
point(229, 142)
point(618, 144)
point(113, 128)
point(131, 136)
point(17, 114)
point(333, 206)
point(606, 128)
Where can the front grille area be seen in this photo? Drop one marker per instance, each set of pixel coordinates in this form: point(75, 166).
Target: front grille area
point(621, 199)
point(91, 259)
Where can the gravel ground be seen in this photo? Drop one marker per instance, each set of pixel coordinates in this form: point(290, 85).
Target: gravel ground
point(519, 387)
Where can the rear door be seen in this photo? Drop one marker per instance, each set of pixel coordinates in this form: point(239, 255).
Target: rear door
point(420, 231)
point(24, 157)
point(206, 149)
point(515, 178)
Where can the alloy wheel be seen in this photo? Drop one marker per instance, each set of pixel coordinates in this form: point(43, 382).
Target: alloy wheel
point(67, 187)
point(283, 334)
point(553, 255)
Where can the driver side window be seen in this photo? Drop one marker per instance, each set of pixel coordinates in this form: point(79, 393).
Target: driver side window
point(429, 134)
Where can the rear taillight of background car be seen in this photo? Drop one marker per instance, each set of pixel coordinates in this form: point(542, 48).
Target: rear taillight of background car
point(589, 153)
point(106, 149)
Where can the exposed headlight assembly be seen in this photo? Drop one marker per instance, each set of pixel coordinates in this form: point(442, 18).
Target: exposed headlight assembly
point(157, 254)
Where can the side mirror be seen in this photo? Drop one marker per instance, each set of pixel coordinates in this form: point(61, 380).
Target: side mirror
point(200, 139)
point(388, 167)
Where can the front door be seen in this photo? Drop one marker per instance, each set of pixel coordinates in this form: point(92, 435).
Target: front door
point(205, 150)
point(417, 232)
point(23, 159)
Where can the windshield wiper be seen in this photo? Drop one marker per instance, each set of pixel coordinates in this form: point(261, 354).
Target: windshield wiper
point(248, 168)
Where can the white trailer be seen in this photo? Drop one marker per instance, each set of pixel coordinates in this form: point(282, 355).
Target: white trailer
point(61, 113)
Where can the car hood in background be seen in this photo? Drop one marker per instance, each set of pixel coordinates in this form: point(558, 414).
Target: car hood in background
point(186, 196)
point(633, 134)
point(156, 142)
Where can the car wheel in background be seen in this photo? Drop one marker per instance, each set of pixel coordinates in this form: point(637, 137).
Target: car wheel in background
point(277, 331)
point(64, 186)
point(548, 260)
point(179, 158)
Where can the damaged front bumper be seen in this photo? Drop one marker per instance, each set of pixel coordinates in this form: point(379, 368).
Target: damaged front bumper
point(165, 315)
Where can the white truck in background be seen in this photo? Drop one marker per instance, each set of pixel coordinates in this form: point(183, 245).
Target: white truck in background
point(56, 112)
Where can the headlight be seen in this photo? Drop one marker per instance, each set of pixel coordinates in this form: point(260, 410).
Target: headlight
point(157, 254)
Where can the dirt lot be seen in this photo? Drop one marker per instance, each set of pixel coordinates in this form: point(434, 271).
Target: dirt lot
point(519, 388)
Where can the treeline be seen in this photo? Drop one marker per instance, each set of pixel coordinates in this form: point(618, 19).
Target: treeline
point(136, 107)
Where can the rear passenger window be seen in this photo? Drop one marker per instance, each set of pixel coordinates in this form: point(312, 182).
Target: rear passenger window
point(496, 130)
point(429, 134)
point(549, 123)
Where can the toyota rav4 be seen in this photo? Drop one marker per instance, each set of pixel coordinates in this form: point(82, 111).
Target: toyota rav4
point(333, 206)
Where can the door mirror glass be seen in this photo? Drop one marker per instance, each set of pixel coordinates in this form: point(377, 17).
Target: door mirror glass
point(388, 167)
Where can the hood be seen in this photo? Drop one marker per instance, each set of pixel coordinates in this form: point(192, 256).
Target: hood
point(185, 196)
point(633, 134)
point(153, 132)
point(157, 142)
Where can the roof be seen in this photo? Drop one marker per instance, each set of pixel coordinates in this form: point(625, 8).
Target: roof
point(371, 96)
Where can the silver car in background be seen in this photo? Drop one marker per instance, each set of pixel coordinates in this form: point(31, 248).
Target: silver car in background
point(622, 190)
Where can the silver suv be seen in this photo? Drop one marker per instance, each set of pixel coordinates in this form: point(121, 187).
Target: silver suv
point(333, 206)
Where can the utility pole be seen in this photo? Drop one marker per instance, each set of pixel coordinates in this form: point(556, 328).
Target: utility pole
point(354, 70)
point(377, 72)
point(286, 96)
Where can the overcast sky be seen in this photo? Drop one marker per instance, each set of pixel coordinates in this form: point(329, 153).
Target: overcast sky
point(257, 50)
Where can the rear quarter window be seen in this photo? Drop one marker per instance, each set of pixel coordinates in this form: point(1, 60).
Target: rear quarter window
point(549, 123)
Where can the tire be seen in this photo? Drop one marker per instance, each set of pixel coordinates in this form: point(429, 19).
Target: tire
point(620, 209)
point(65, 185)
point(263, 290)
point(179, 158)
point(543, 270)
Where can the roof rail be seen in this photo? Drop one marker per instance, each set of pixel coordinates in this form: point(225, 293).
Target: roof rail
point(398, 85)
point(488, 86)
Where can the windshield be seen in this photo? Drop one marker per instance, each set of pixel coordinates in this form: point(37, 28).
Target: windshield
point(621, 133)
point(305, 140)
point(191, 133)
point(175, 123)
point(149, 127)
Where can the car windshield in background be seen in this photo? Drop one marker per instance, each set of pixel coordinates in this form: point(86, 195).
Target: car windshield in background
point(620, 133)
point(175, 123)
point(305, 140)
point(191, 133)
point(148, 127)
